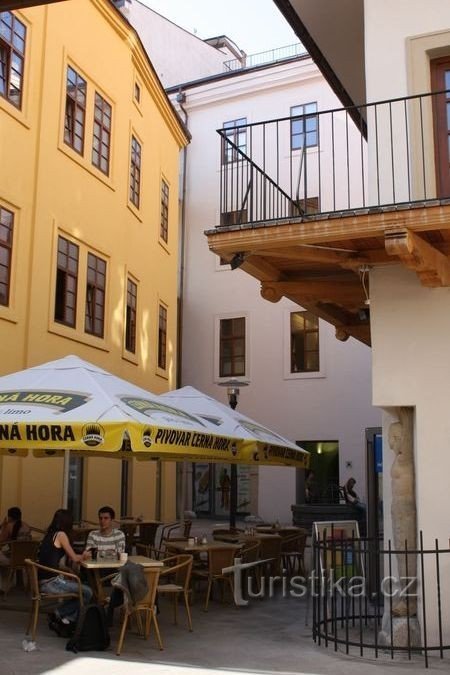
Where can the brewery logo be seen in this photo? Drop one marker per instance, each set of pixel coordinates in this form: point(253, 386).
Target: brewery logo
point(234, 449)
point(256, 456)
point(147, 437)
point(93, 435)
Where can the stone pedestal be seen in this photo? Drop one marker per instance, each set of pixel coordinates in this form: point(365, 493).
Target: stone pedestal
point(400, 626)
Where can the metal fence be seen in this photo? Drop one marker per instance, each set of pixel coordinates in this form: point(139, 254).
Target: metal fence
point(319, 163)
point(268, 56)
point(378, 602)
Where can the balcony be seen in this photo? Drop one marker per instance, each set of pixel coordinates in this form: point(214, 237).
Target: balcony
point(309, 204)
point(263, 58)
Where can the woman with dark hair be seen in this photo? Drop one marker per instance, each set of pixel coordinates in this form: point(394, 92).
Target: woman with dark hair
point(53, 548)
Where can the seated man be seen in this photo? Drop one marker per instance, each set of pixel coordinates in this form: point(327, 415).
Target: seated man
point(107, 540)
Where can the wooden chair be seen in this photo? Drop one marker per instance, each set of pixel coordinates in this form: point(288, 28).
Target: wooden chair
point(19, 552)
point(145, 606)
point(293, 551)
point(218, 559)
point(270, 550)
point(37, 596)
point(250, 553)
point(179, 582)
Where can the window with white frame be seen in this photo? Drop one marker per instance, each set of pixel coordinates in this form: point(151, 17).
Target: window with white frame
point(236, 132)
point(304, 126)
point(232, 347)
point(304, 342)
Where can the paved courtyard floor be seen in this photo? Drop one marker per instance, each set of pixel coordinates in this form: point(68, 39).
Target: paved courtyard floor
point(268, 636)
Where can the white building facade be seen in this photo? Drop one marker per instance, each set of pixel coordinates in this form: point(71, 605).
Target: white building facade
point(320, 397)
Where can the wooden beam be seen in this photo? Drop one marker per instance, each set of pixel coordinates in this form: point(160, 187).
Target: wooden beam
point(347, 293)
point(432, 266)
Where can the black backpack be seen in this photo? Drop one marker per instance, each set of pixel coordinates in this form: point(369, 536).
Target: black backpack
point(91, 632)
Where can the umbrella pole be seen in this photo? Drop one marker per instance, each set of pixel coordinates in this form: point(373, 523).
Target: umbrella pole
point(65, 492)
point(233, 494)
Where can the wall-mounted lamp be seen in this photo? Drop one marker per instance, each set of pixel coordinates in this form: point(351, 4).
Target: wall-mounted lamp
point(237, 260)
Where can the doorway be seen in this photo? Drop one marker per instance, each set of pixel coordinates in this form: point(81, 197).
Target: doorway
point(324, 464)
point(440, 81)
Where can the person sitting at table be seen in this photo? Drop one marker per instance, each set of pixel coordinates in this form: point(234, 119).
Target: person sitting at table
point(13, 528)
point(54, 546)
point(108, 540)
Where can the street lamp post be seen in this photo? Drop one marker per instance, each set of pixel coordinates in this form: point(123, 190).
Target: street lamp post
point(233, 390)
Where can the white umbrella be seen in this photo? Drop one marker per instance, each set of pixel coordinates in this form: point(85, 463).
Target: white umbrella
point(72, 405)
point(258, 444)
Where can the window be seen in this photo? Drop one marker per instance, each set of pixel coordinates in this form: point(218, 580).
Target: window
point(162, 337)
point(232, 347)
point(75, 115)
point(12, 57)
point(137, 92)
point(304, 129)
point(95, 296)
point(304, 342)
point(66, 282)
point(6, 240)
point(236, 132)
point(164, 233)
point(135, 172)
point(130, 321)
point(101, 139)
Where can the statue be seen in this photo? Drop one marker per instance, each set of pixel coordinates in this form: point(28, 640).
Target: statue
point(403, 508)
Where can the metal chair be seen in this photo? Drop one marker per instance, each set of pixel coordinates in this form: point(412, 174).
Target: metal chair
point(37, 596)
point(19, 552)
point(178, 572)
point(270, 550)
point(146, 606)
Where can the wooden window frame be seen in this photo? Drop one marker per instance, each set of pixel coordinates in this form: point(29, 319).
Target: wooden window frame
point(301, 119)
point(162, 337)
point(135, 171)
point(75, 111)
point(6, 245)
point(236, 131)
point(95, 295)
point(66, 283)
point(12, 58)
point(294, 369)
point(131, 317)
point(237, 336)
point(101, 134)
point(164, 230)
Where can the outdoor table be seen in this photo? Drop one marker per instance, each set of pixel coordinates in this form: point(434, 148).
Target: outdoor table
point(278, 529)
point(243, 537)
point(183, 546)
point(94, 568)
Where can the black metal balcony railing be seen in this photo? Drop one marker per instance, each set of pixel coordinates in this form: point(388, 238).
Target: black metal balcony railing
point(355, 589)
point(264, 178)
point(269, 56)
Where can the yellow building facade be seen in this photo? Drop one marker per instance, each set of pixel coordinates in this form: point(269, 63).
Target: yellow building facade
point(88, 228)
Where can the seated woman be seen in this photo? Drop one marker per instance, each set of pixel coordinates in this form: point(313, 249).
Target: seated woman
point(54, 546)
point(13, 528)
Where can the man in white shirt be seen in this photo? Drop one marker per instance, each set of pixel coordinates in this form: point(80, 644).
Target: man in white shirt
point(108, 540)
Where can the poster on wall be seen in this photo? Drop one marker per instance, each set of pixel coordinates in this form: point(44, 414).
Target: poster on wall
point(243, 497)
point(202, 484)
point(223, 490)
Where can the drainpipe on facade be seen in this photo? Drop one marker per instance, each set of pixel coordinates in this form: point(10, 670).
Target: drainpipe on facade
point(181, 506)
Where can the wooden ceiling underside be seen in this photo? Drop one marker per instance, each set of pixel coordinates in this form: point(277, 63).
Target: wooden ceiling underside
point(21, 4)
point(322, 264)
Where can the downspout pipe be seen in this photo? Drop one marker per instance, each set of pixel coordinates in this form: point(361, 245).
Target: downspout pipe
point(180, 99)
